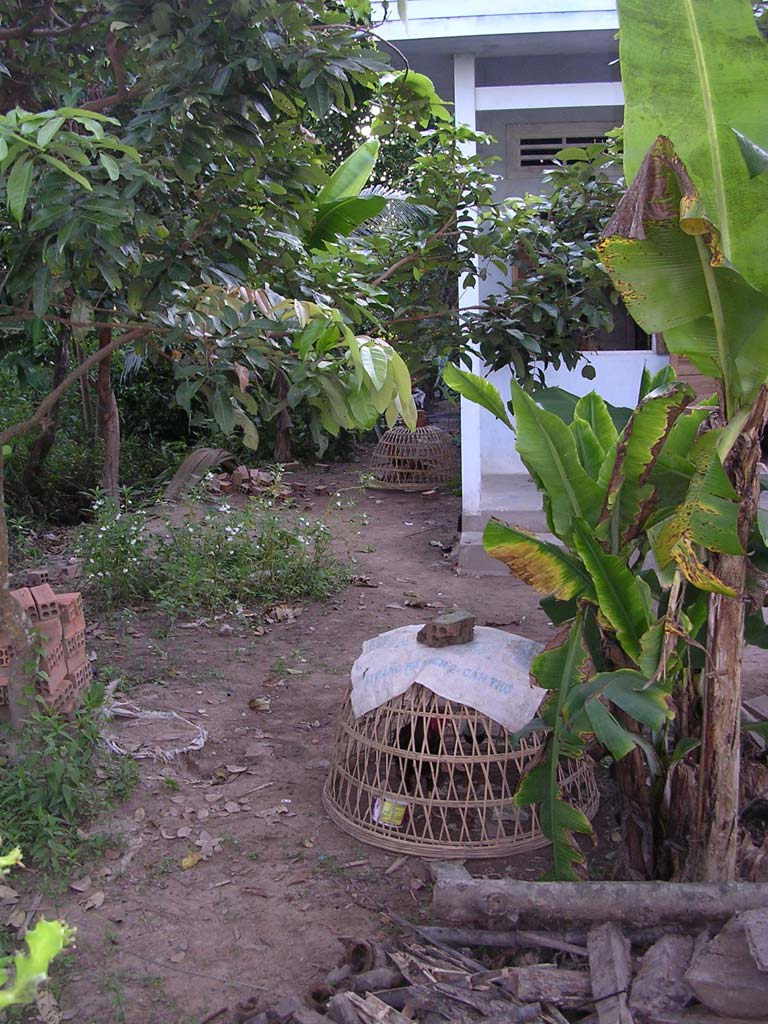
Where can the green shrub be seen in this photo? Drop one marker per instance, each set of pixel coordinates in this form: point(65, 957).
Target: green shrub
point(62, 777)
point(115, 551)
point(225, 558)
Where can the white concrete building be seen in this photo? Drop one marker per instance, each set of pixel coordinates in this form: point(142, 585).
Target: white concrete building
point(536, 75)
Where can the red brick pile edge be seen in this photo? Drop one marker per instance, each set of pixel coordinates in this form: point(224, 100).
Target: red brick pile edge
point(64, 669)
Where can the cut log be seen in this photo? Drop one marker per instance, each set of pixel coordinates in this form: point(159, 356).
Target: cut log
point(341, 1010)
point(610, 972)
point(696, 1015)
point(460, 899)
point(372, 1010)
point(378, 977)
point(547, 983)
point(726, 979)
point(660, 984)
point(502, 940)
point(755, 925)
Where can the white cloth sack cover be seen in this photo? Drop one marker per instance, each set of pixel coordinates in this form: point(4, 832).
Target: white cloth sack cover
point(489, 674)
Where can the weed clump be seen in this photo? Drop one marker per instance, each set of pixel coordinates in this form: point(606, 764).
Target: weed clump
point(61, 777)
point(225, 558)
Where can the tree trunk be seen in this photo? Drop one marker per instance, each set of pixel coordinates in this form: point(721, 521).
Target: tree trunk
point(44, 441)
point(89, 421)
point(715, 840)
point(282, 452)
point(14, 626)
point(109, 421)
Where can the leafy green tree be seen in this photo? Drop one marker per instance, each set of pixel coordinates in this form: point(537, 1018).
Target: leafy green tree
point(180, 225)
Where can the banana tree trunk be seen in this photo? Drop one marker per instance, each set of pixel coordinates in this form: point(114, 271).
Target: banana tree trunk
point(715, 839)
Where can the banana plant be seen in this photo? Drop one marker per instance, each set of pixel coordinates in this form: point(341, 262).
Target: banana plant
point(686, 250)
point(340, 208)
point(613, 670)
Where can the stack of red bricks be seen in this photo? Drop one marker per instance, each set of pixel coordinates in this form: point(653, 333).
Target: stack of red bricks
point(254, 481)
point(64, 669)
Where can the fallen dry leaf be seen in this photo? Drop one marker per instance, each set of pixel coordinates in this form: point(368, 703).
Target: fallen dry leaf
point(8, 895)
point(17, 919)
point(363, 581)
point(260, 703)
point(95, 901)
point(47, 1008)
point(81, 884)
point(284, 613)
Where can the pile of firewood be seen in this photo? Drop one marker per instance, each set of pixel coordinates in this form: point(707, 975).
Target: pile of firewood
point(588, 952)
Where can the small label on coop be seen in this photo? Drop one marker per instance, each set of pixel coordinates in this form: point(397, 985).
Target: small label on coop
point(490, 674)
point(389, 812)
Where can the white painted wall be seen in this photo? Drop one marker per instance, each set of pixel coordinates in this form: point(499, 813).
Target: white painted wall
point(436, 19)
point(617, 374)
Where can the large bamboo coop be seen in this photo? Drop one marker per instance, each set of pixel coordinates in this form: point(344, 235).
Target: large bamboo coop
point(418, 460)
point(427, 776)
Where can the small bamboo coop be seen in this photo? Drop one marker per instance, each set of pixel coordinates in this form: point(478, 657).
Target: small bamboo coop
point(427, 776)
point(418, 460)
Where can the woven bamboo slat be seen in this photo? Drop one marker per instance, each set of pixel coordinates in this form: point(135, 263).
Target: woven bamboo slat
point(433, 778)
point(414, 461)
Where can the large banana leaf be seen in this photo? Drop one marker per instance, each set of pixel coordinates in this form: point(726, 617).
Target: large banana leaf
point(341, 217)
point(708, 517)
point(549, 451)
point(595, 411)
point(693, 70)
point(668, 262)
point(558, 669)
point(476, 389)
point(351, 175)
point(629, 497)
point(623, 598)
point(546, 567)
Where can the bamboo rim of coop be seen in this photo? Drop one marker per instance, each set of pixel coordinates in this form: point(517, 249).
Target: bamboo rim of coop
point(414, 461)
point(369, 763)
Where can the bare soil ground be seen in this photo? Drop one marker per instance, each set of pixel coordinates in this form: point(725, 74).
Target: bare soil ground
point(260, 916)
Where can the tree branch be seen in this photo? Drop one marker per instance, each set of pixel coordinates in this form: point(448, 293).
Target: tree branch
point(17, 429)
point(32, 31)
point(415, 253)
point(118, 97)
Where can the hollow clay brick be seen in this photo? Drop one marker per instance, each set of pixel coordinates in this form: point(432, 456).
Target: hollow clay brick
point(76, 625)
point(6, 655)
point(37, 576)
point(81, 676)
point(240, 476)
point(50, 629)
point(23, 596)
point(45, 599)
point(53, 664)
point(74, 649)
point(70, 606)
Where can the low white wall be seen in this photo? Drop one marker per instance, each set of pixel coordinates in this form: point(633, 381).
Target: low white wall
point(616, 379)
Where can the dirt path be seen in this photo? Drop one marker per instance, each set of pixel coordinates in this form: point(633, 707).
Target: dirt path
point(261, 915)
